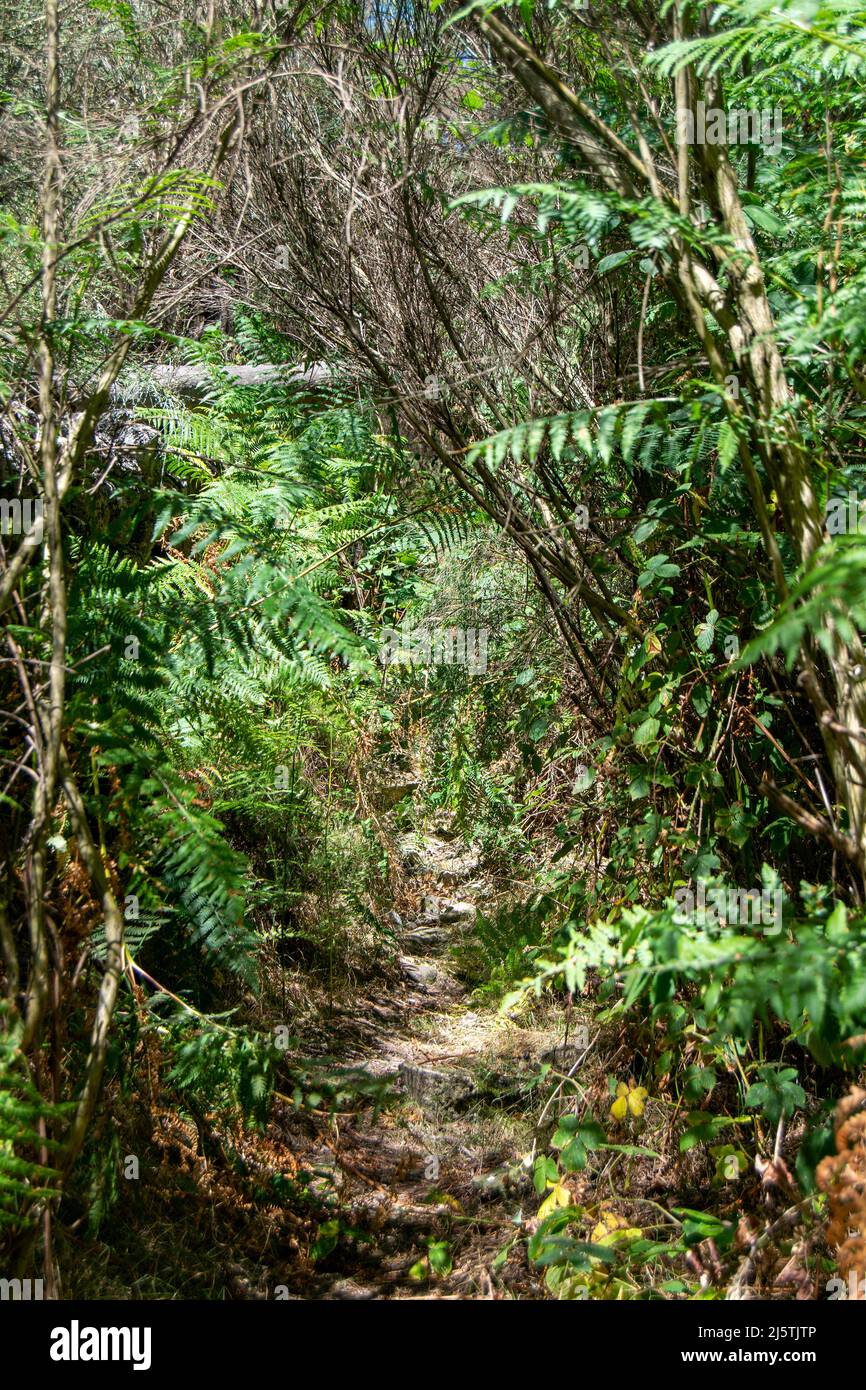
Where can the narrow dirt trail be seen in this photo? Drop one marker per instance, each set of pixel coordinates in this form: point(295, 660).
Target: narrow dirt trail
point(447, 1160)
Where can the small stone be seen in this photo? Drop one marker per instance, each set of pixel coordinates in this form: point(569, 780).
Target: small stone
point(458, 912)
point(348, 1289)
point(408, 851)
point(459, 868)
point(419, 973)
point(422, 936)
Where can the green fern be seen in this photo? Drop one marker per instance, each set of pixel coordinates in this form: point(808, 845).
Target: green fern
point(25, 1184)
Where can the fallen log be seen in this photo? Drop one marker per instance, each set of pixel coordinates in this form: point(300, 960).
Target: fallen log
point(192, 382)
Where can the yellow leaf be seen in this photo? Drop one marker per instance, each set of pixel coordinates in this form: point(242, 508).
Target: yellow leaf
point(619, 1109)
point(609, 1222)
point(636, 1100)
point(558, 1196)
point(448, 1200)
point(621, 1237)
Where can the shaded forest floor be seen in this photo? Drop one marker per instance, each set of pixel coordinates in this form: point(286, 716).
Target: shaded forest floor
point(424, 1187)
point(412, 1194)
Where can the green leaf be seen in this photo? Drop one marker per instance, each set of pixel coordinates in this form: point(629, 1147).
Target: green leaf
point(439, 1256)
point(611, 262)
point(703, 1129)
point(326, 1239)
point(646, 732)
point(706, 631)
point(766, 220)
point(777, 1093)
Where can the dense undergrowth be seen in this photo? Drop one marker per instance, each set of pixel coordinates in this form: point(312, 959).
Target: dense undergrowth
point(252, 796)
point(538, 535)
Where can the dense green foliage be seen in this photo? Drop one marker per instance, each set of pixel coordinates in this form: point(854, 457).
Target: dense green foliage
point(584, 383)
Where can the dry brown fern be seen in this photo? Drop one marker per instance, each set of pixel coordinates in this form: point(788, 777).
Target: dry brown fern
point(842, 1176)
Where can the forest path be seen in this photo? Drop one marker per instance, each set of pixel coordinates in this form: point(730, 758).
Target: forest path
point(432, 1182)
